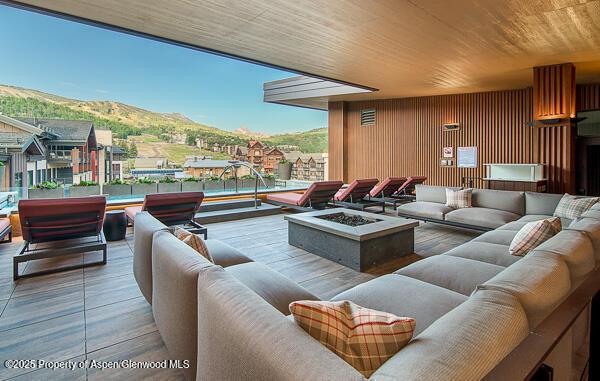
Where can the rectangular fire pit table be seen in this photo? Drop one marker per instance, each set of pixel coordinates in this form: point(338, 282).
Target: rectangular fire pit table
point(380, 239)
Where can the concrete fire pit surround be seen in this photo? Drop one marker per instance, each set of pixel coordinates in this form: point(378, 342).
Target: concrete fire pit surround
point(357, 247)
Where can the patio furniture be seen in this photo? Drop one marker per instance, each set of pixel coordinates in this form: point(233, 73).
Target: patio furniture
point(354, 196)
point(172, 209)
point(5, 230)
point(383, 190)
point(115, 225)
point(407, 190)
point(59, 227)
point(317, 196)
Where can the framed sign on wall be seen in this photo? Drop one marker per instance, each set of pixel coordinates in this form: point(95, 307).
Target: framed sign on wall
point(466, 157)
point(448, 152)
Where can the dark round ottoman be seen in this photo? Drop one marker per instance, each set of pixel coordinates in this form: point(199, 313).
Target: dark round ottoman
point(115, 225)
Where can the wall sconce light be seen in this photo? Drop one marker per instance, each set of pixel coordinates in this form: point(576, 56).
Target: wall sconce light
point(451, 126)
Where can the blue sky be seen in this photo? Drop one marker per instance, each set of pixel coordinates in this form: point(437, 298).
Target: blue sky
point(84, 62)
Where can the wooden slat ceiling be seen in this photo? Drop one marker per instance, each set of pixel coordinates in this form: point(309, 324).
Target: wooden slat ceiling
point(401, 47)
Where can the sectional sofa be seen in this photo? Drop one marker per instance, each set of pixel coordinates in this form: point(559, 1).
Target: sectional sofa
point(473, 305)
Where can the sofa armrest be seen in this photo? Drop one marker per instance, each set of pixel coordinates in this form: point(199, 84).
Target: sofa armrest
point(143, 230)
point(242, 337)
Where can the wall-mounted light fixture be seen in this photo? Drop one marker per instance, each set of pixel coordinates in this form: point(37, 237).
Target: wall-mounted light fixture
point(451, 126)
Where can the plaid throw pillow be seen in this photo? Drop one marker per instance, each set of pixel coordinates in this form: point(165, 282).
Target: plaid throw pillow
point(459, 198)
point(194, 241)
point(573, 207)
point(362, 337)
point(533, 234)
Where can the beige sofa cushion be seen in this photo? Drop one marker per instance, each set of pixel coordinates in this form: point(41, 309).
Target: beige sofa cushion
point(575, 248)
point(539, 283)
point(464, 344)
point(278, 290)
point(593, 212)
point(175, 268)
point(509, 201)
point(453, 273)
point(143, 230)
point(486, 252)
point(500, 237)
point(591, 228)
point(256, 342)
point(424, 209)
point(404, 296)
point(225, 255)
point(483, 217)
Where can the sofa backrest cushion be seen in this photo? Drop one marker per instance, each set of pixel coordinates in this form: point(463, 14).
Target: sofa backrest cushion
point(541, 203)
point(593, 212)
point(143, 230)
point(464, 344)
point(509, 201)
point(539, 284)
point(575, 248)
point(432, 193)
point(591, 228)
point(175, 268)
point(242, 337)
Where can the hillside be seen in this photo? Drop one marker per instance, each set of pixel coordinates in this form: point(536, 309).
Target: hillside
point(127, 120)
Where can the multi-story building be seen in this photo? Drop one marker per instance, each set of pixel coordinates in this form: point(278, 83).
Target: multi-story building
point(308, 167)
point(52, 149)
point(201, 167)
point(256, 151)
point(271, 157)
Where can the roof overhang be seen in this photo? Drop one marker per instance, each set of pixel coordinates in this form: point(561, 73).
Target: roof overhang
point(33, 147)
point(21, 125)
point(401, 48)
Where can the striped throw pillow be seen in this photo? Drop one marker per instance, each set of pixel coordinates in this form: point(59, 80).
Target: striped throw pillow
point(534, 234)
point(459, 198)
point(194, 241)
point(573, 207)
point(362, 337)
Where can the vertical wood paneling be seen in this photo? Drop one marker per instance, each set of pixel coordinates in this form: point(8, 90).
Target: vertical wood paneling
point(588, 97)
point(407, 138)
point(554, 91)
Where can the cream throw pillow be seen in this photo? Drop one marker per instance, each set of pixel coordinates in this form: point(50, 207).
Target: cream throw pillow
point(458, 199)
point(534, 234)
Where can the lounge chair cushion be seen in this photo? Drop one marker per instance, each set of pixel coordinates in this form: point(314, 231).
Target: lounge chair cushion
point(540, 284)
point(453, 273)
point(358, 188)
point(289, 198)
point(404, 296)
point(424, 209)
point(481, 217)
point(486, 327)
point(501, 237)
point(276, 289)
point(486, 252)
point(4, 223)
point(388, 186)
point(131, 211)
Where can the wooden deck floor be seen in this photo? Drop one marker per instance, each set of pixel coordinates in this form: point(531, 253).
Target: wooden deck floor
point(99, 314)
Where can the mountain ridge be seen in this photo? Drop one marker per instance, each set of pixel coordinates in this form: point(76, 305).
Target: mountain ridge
point(128, 120)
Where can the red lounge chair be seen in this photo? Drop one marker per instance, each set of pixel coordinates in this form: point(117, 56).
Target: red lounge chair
point(60, 227)
point(5, 230)
point(315, 197)
point(383, 191)
point(172, 209)
point(407, 189)
point(354, 196)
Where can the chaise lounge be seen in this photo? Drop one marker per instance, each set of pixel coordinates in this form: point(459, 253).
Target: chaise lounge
point(355, 195)
point(317, 196)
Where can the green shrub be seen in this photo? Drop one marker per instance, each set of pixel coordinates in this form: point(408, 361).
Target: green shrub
point(248, 177)
point(144, 180)
point(84, 183)
point(46, 185)
point(167, 180)
point(284, 161)
point(213, 178)
point(269, 176)
point(117, 182)
point(192, 179)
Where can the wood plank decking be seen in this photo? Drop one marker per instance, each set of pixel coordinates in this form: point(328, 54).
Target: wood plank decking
point(98, 313)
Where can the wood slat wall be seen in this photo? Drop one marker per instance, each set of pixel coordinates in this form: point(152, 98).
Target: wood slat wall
point(554, 91)
point(408, 137)
point(588, 97)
